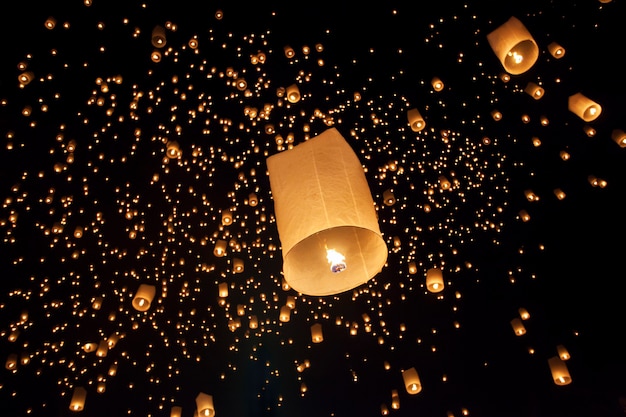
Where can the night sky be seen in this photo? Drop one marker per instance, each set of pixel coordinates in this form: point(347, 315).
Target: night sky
point(93, 206)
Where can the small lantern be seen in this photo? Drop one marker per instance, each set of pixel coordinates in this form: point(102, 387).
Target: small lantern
point(316, 333)
point(293, 93)
point(285, 314)
point(416, 121)
point(583, 107)
point(289, 51)
point(514, 46)
point(556, 50)
point(496, 115)
point(237, 266)
point(227, 217)
point(518, 327)
point(619, 137)
point(79, 396)
point(524, 216)
point(411, 380)
point(326, 217)
point(253, 200)
point(437, 84)
point(388, 198)
point(11, 362)
point(223, 290)
point(563, 353)
point(26, 77)
point(220, 248)
point(534, 90)
point(204, 405)
point(176, 411)
point(434, 280)
point(560, 373)
point(158, 36)
point(523, 313)
point(254, 322)
point(173, 150)
point(143, 297)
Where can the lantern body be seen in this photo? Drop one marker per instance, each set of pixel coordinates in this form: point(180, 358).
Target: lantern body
point(563, 353)
point(583, 107)
point(556, 50)
point(293, 93)
point(144, 296)
point(534, 90)
point(412, 381)
point(518, 327)
point(619, 137)
point(316, 333)
point(560, 373)
point(324, 208)
point(158, 37)
point(434, 280)
point(514, 46)
point(204, 405)
point(416, 121)
point(79, 396)
point(176, 411)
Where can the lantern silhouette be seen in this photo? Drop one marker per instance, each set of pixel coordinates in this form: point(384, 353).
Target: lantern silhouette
point(416, 121)
point(220, 248)
point(514, 46)
point(560, 373)
point(411, 380)
point(437, 84)
point(176, 411)
point(223, 289)
point(583, 107)
point(434, 280)
point(395, 399)
point(143, 297)
point(389, 198)
point(316, 333)
point(326, 218)
point(204, 405)
point(285, 314)
point(77, 403)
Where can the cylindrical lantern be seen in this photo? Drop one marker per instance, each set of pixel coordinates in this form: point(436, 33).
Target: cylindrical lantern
point(293, 93)
point(556, 50)
point(326, 218)
point(204, 405)
point(11, 362)
point(220, 248)
point(619, 137)
point(173, 150)
point(253, 200)
point(77, 403)
point(411, 380)
point(514, 46)
point(437, 84)
point(518, 326)
point(285, 314)
point(534, 90)
point(237, 265)
point(26, 77)
point(143, 297)
point(583, 107)
point(176, 411)
point(389, 198)
point(223, 289)
point(158, 36)
point(316, 333)
point(416, 121)
point(496, 115)
point(434, 280)
point(254, 322)
point(289, 51)
point(563, 353)
point(560, 373)
point(523, 313)
point(227, 217)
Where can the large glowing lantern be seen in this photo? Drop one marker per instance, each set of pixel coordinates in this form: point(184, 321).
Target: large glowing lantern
point(514, 46)
point(77, 403)
point(325, 215)
point(560, 373)
point(583, 107)
point(412, 381)
point(434, 280)
point(204, 405)
point(143, 297)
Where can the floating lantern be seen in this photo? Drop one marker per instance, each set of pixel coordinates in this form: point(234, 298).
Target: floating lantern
point(50, 23)
point(220, 248)
point(416, 121)
point(560, 373)
point(26, 77)
point(388, 198)
point(285, 314)
point(496, 115)
point(411, 380)
point(79, 396)
point(237, 265)
point(316, 333)
point(583, 107)
point(11, 362)
point(253, 200)
point(518, 327)
point(563, 353)
point(437, 84)
point(223, 289)
point(524, 216)
point(158, 36)
point(434, 280)
point(204, 405)
point(326, 218)
point(289, 51)
point(143, 297)
point(523, 313)
point(395, 399)
point(534, 90)
point(619, 137)
point(176, 411)
point(227, 217)
point(514, 46)
point(293, 93)
point(556, 50)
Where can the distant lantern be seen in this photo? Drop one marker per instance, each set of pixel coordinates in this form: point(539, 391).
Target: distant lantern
point(204, 405)
point(619, 137)
point(437, 84)
point(103, 349)
point(514, 46)
point(416, 121)
point(444, 183)
point(26, 77)
point(11, 362)
point(326, 217)
point(316, 333)
point(524, 216)
point(227, 217)
point(583, 107)
point(496, 115)
point(220, 248)
point(563, 353)
point(434, 280)
point(388, 198)
point(293, 93)
point(560, 373)
point(176, 411)
point(289, 51)
point(238, 265)
point(395, 399)
point(523, 313)
point(534, 90)
point(158, 36)
point(556, 50)
point(253, 200)
point(518, 327)
point(285, 314)
point(144, 296)
point(241, 84)
point(412, 381)
point(412, 268)
point(77, 403)
point(560, 194)
point(222, 289)
point(156, 56)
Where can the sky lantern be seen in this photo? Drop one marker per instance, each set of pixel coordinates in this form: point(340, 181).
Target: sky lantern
point(563, 353)
point(317, 335)
point(619, 137)
point(518, 326)
point(325, 215)
point(434, 280)
point(416, 121)
point(534, 90)
point(293, 93)
point(144, 296)
point(556, 50)
point(583, 107)
point(411, 380)
point(560, 373)
point(158, 36)
point(204, 405)
point(514, 46)
point(77, 403)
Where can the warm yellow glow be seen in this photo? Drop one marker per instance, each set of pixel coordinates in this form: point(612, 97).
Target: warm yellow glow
point(336, 260)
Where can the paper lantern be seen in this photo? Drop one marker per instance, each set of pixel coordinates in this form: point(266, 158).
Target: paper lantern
point(77, 403)
point(220, 248)
point(325, 215)
point(204, 405)
point(563, 353)
point(316, 333)
point(619, 137)
point(560, 373)
point(389, 198)
point(237, 265)
point(518, 326)
point(556, 50)
point(285, 314)
point(523, 313)
point(534, 90)
point(11, 362)
point(293, 93)
point(434, 280)
point(514, 46)
point(176, 411)
point(437, 84)
point(583, 107)
point(496, 115)
point(411, 380)
point(254, 322)
point(158, 36)
point(143, 297)
point(395, 399)
point(156, 56)
point(289, 51)
point(253, 200)
point(26, 77)
point(416, 121)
